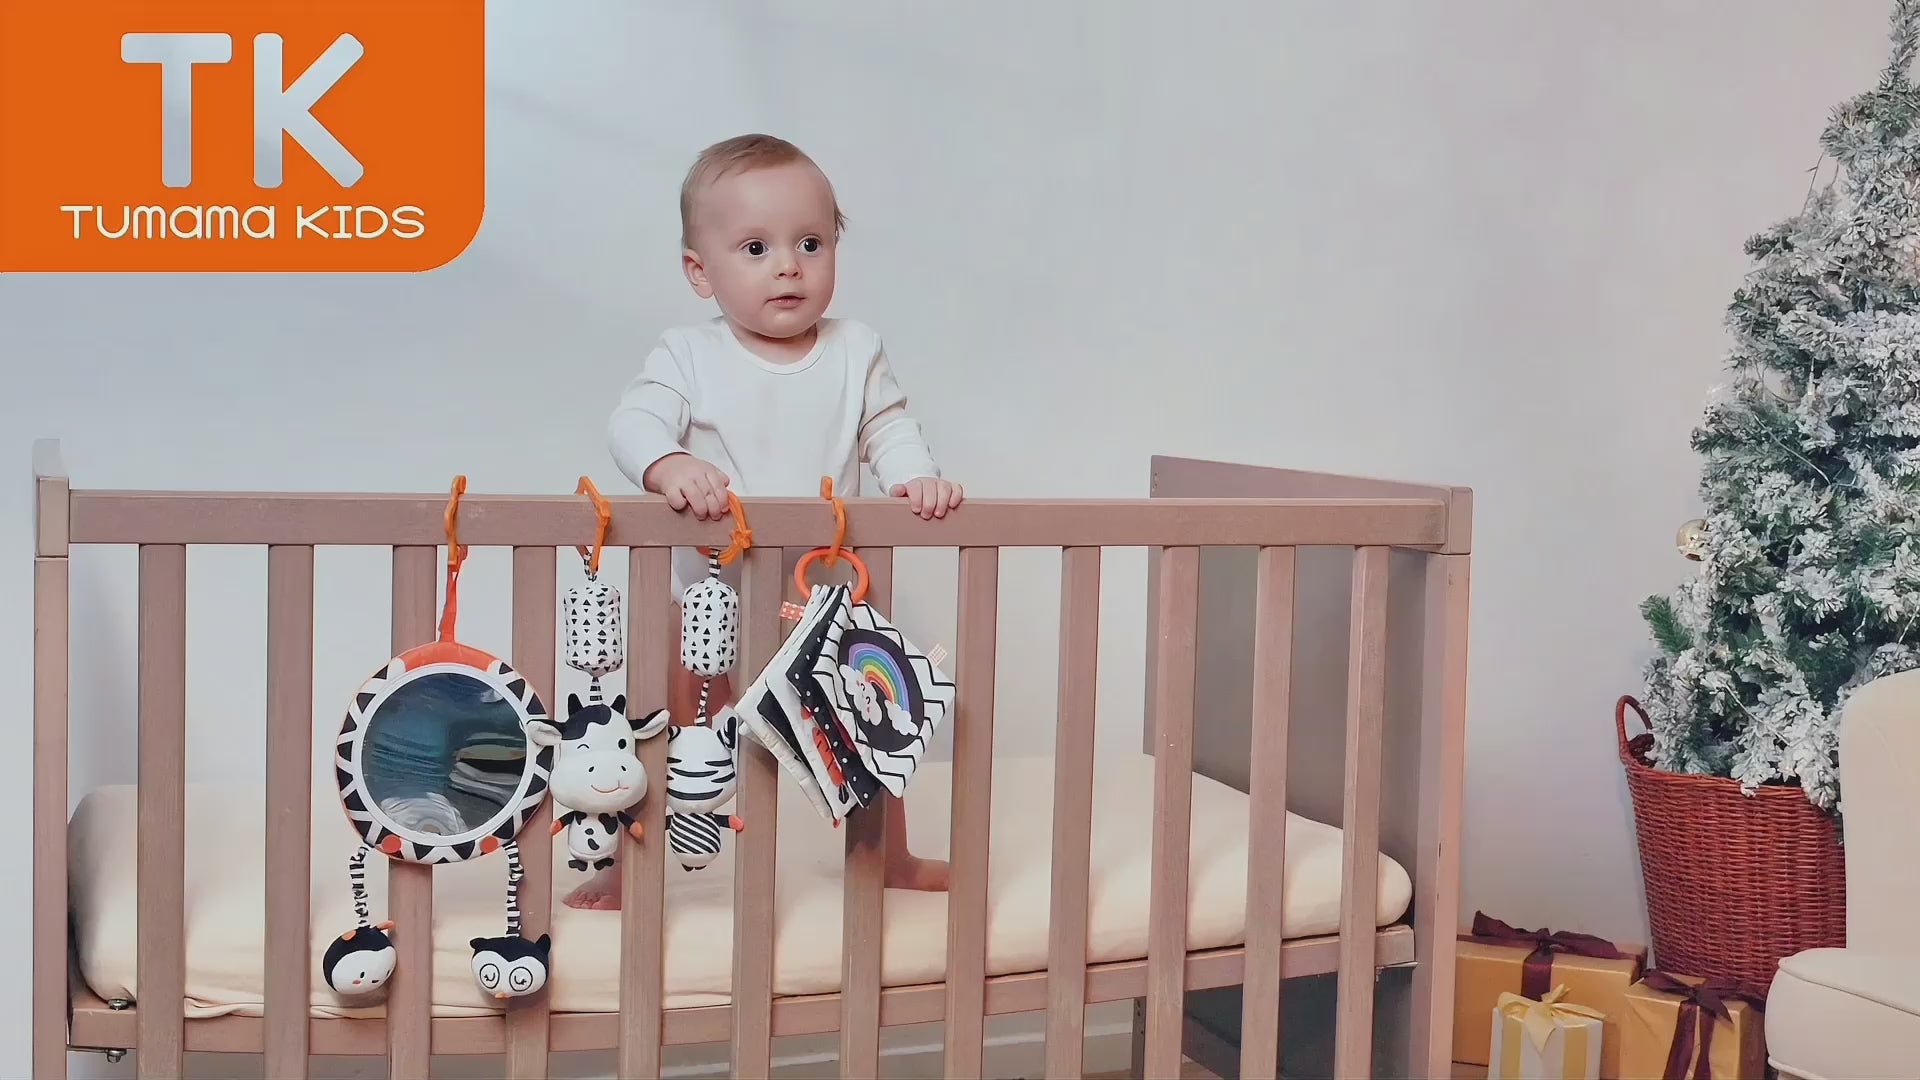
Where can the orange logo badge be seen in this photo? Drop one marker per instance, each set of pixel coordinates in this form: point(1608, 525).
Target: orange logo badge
point(240, 135)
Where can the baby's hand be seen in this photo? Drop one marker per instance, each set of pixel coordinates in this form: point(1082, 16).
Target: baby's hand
point(930, 497)
point(689, 483)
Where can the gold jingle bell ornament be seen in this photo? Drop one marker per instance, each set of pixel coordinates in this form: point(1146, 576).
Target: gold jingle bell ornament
point(1692, 539)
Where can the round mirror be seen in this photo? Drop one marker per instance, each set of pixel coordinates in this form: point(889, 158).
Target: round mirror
point(434, 762)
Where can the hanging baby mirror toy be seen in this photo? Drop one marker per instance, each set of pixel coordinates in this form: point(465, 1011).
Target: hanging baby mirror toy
point(436, 765)
point(702, 764)
point(599, 777)
point(847, 704)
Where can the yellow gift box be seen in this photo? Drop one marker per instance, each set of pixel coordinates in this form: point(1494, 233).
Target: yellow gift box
point(1486, 967)
point(1545, 1039)
point(1678, 1027)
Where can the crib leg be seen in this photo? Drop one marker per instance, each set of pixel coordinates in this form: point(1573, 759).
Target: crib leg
point(1139, 1066)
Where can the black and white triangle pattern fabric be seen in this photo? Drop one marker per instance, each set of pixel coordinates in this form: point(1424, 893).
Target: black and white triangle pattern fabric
point(594, 642)
point(709, 627)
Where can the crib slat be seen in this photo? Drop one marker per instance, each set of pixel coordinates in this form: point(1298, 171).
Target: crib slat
point(533, 657)
point(757, 797)
point(1443, 722)
point(974, 660)
point(1072, 810)
point(410, 885)
point(643, 866)
point(51, 627)
point(1267, 806)
point(1360, 818)
point(1174, 671)
point(864, 905)
point(289, 807)
point(162, 796)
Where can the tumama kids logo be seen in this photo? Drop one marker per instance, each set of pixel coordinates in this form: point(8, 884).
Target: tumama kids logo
point(240, 135)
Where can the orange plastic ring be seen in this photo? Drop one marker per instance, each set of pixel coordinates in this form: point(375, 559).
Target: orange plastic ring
point(859, 569)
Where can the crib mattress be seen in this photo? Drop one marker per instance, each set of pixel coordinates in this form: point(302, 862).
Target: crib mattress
point(225, 894)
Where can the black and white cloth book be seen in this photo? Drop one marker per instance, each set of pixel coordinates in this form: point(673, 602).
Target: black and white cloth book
point(848, 705)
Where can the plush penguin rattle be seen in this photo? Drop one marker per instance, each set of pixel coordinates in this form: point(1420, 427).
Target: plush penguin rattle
point(701, 777)
point(596, 775)
point(360, 961)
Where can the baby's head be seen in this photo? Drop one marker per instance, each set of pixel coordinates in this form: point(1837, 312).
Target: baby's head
point(758, 227)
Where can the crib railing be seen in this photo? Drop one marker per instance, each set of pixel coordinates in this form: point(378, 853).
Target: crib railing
point(163, 525)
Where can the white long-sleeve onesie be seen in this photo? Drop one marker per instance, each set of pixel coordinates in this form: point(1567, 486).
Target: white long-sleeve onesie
point(773, 429)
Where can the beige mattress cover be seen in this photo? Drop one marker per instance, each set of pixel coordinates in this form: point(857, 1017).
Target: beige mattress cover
point(225, 894)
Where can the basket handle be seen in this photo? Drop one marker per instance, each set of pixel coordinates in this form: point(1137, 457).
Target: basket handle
point(1620, 708)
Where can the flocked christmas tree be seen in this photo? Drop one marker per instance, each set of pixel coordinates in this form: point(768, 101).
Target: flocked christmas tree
point(1809, 552)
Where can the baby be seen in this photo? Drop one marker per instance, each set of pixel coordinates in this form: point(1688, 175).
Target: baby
point(767, 397)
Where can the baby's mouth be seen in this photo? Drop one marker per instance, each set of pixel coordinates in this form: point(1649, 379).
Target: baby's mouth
point(787, 300)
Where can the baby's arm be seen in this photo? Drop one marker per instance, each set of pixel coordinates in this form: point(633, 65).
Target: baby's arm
point(892, 443)
point(645, 434)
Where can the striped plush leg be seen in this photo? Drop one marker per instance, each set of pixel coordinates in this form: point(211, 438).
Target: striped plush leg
point(357, 873)
point(514, 874)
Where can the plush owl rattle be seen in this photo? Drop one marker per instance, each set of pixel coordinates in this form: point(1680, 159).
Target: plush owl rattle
point(510, 966)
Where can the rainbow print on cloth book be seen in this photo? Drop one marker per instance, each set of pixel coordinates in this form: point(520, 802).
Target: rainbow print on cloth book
point(848, 704)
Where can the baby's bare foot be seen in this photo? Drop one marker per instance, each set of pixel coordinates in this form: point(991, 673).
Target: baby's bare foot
point(601, 893)
point(913, 872)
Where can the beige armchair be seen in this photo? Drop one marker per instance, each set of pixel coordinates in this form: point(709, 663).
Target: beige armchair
point(1854, 1012)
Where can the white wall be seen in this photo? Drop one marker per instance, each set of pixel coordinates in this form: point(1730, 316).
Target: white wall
point(1481, 243)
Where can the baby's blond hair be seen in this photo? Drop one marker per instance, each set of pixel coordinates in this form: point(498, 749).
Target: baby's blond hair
point(742, 152)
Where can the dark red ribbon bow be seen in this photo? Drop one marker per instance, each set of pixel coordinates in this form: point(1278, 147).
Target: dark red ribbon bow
point(1536, 971)
point(1700, 1007)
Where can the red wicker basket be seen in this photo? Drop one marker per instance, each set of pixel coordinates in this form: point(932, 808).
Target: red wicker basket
point(1734, 882)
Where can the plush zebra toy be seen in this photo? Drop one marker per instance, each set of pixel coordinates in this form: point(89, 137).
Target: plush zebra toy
point(701, 764)
point(701, 775)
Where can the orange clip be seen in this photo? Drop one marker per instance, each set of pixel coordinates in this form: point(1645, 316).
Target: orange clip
point(839, 519)
point(455, 553)
point(602, 510)
point(742, 537)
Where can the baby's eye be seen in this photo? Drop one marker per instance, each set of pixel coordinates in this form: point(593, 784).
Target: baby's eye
point(756, 248)
point(810, 245)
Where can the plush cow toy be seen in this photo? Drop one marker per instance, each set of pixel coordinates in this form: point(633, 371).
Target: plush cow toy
point(597, 775)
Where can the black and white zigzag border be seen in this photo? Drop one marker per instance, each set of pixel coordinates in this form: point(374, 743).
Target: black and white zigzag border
point(375, 829)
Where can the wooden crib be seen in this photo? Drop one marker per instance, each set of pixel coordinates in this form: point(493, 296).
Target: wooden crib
point(1409, 740)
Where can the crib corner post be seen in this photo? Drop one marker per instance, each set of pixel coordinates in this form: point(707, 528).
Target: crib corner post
point(50, 701)
point(1436, 885)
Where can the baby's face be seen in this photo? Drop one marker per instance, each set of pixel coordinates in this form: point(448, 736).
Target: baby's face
point(764, 248)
